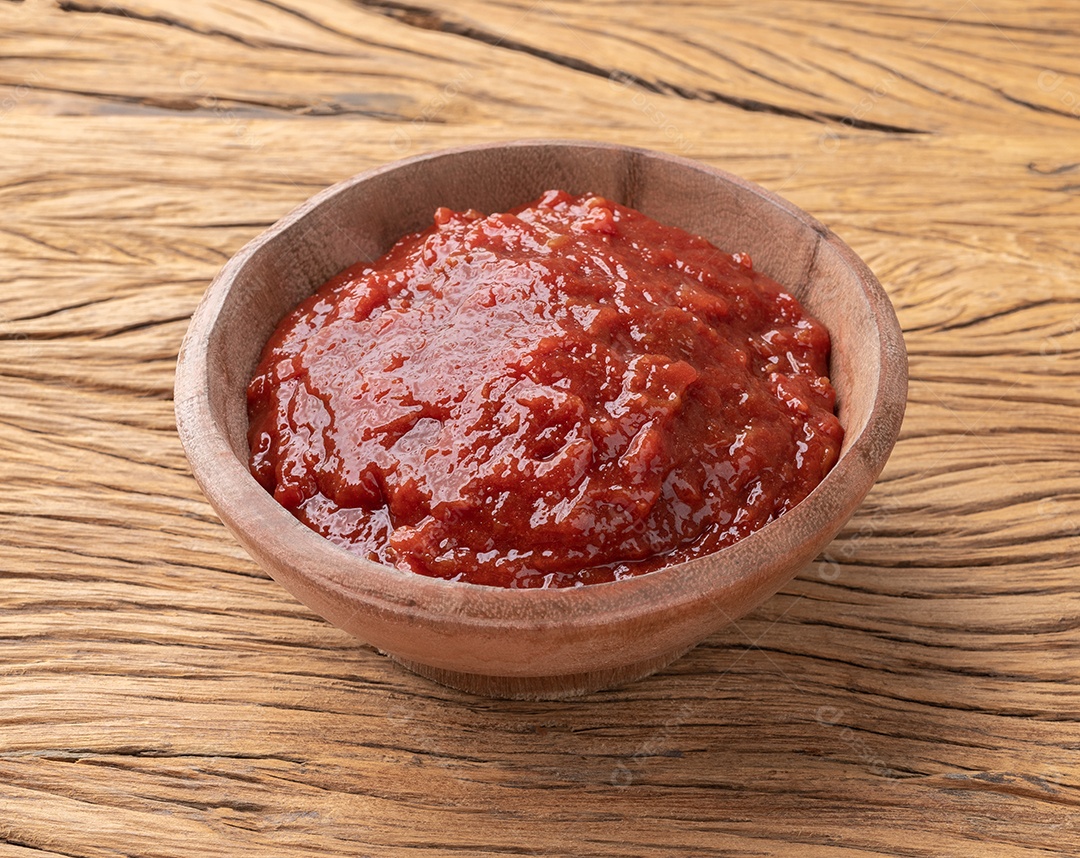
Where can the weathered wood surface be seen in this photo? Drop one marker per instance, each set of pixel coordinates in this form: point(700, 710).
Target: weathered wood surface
point(917, 692)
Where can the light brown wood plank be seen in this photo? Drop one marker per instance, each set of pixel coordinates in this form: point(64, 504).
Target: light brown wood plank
point(915, 692)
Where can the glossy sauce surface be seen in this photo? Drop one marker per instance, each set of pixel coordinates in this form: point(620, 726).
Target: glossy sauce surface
point(569, 393)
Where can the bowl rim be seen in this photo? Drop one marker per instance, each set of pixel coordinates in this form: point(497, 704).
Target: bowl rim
point(226, 481)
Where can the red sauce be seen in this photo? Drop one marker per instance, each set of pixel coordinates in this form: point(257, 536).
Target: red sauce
point(569, 393)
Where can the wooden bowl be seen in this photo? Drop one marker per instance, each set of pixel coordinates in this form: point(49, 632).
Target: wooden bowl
point(533, 643)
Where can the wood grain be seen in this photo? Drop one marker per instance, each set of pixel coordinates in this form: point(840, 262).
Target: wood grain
point(913, 693)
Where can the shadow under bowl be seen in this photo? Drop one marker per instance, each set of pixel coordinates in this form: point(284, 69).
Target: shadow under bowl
point(534, 643)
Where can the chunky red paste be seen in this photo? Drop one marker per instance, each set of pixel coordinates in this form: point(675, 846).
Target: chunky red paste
point(565, 394)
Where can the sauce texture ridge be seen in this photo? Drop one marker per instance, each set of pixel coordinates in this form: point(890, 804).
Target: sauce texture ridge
point(568, 393)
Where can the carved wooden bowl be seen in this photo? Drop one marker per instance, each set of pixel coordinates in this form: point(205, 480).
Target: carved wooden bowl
point(533, 643)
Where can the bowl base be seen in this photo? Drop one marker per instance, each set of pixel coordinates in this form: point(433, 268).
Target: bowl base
point(558, 687)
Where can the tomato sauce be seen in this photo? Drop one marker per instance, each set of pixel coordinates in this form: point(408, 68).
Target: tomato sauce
point(568, 393)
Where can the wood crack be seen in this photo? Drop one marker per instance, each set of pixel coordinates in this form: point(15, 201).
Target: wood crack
point(142, 326)
point(987, 24)
point(428, 19)
point(45, 314)
point(112, 558)
point(56, 336)
point(78, 754)
point(120, 12)
point(1038, 108)
point(247, 107)
point(1000, 314)
point(701, 46)
point(9, 840)
point(1052, 171)
point(303, 16)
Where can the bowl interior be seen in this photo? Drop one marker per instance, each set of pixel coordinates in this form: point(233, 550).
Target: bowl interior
point(362, 218)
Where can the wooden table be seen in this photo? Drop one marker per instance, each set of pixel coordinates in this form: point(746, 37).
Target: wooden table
point(913, 693)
